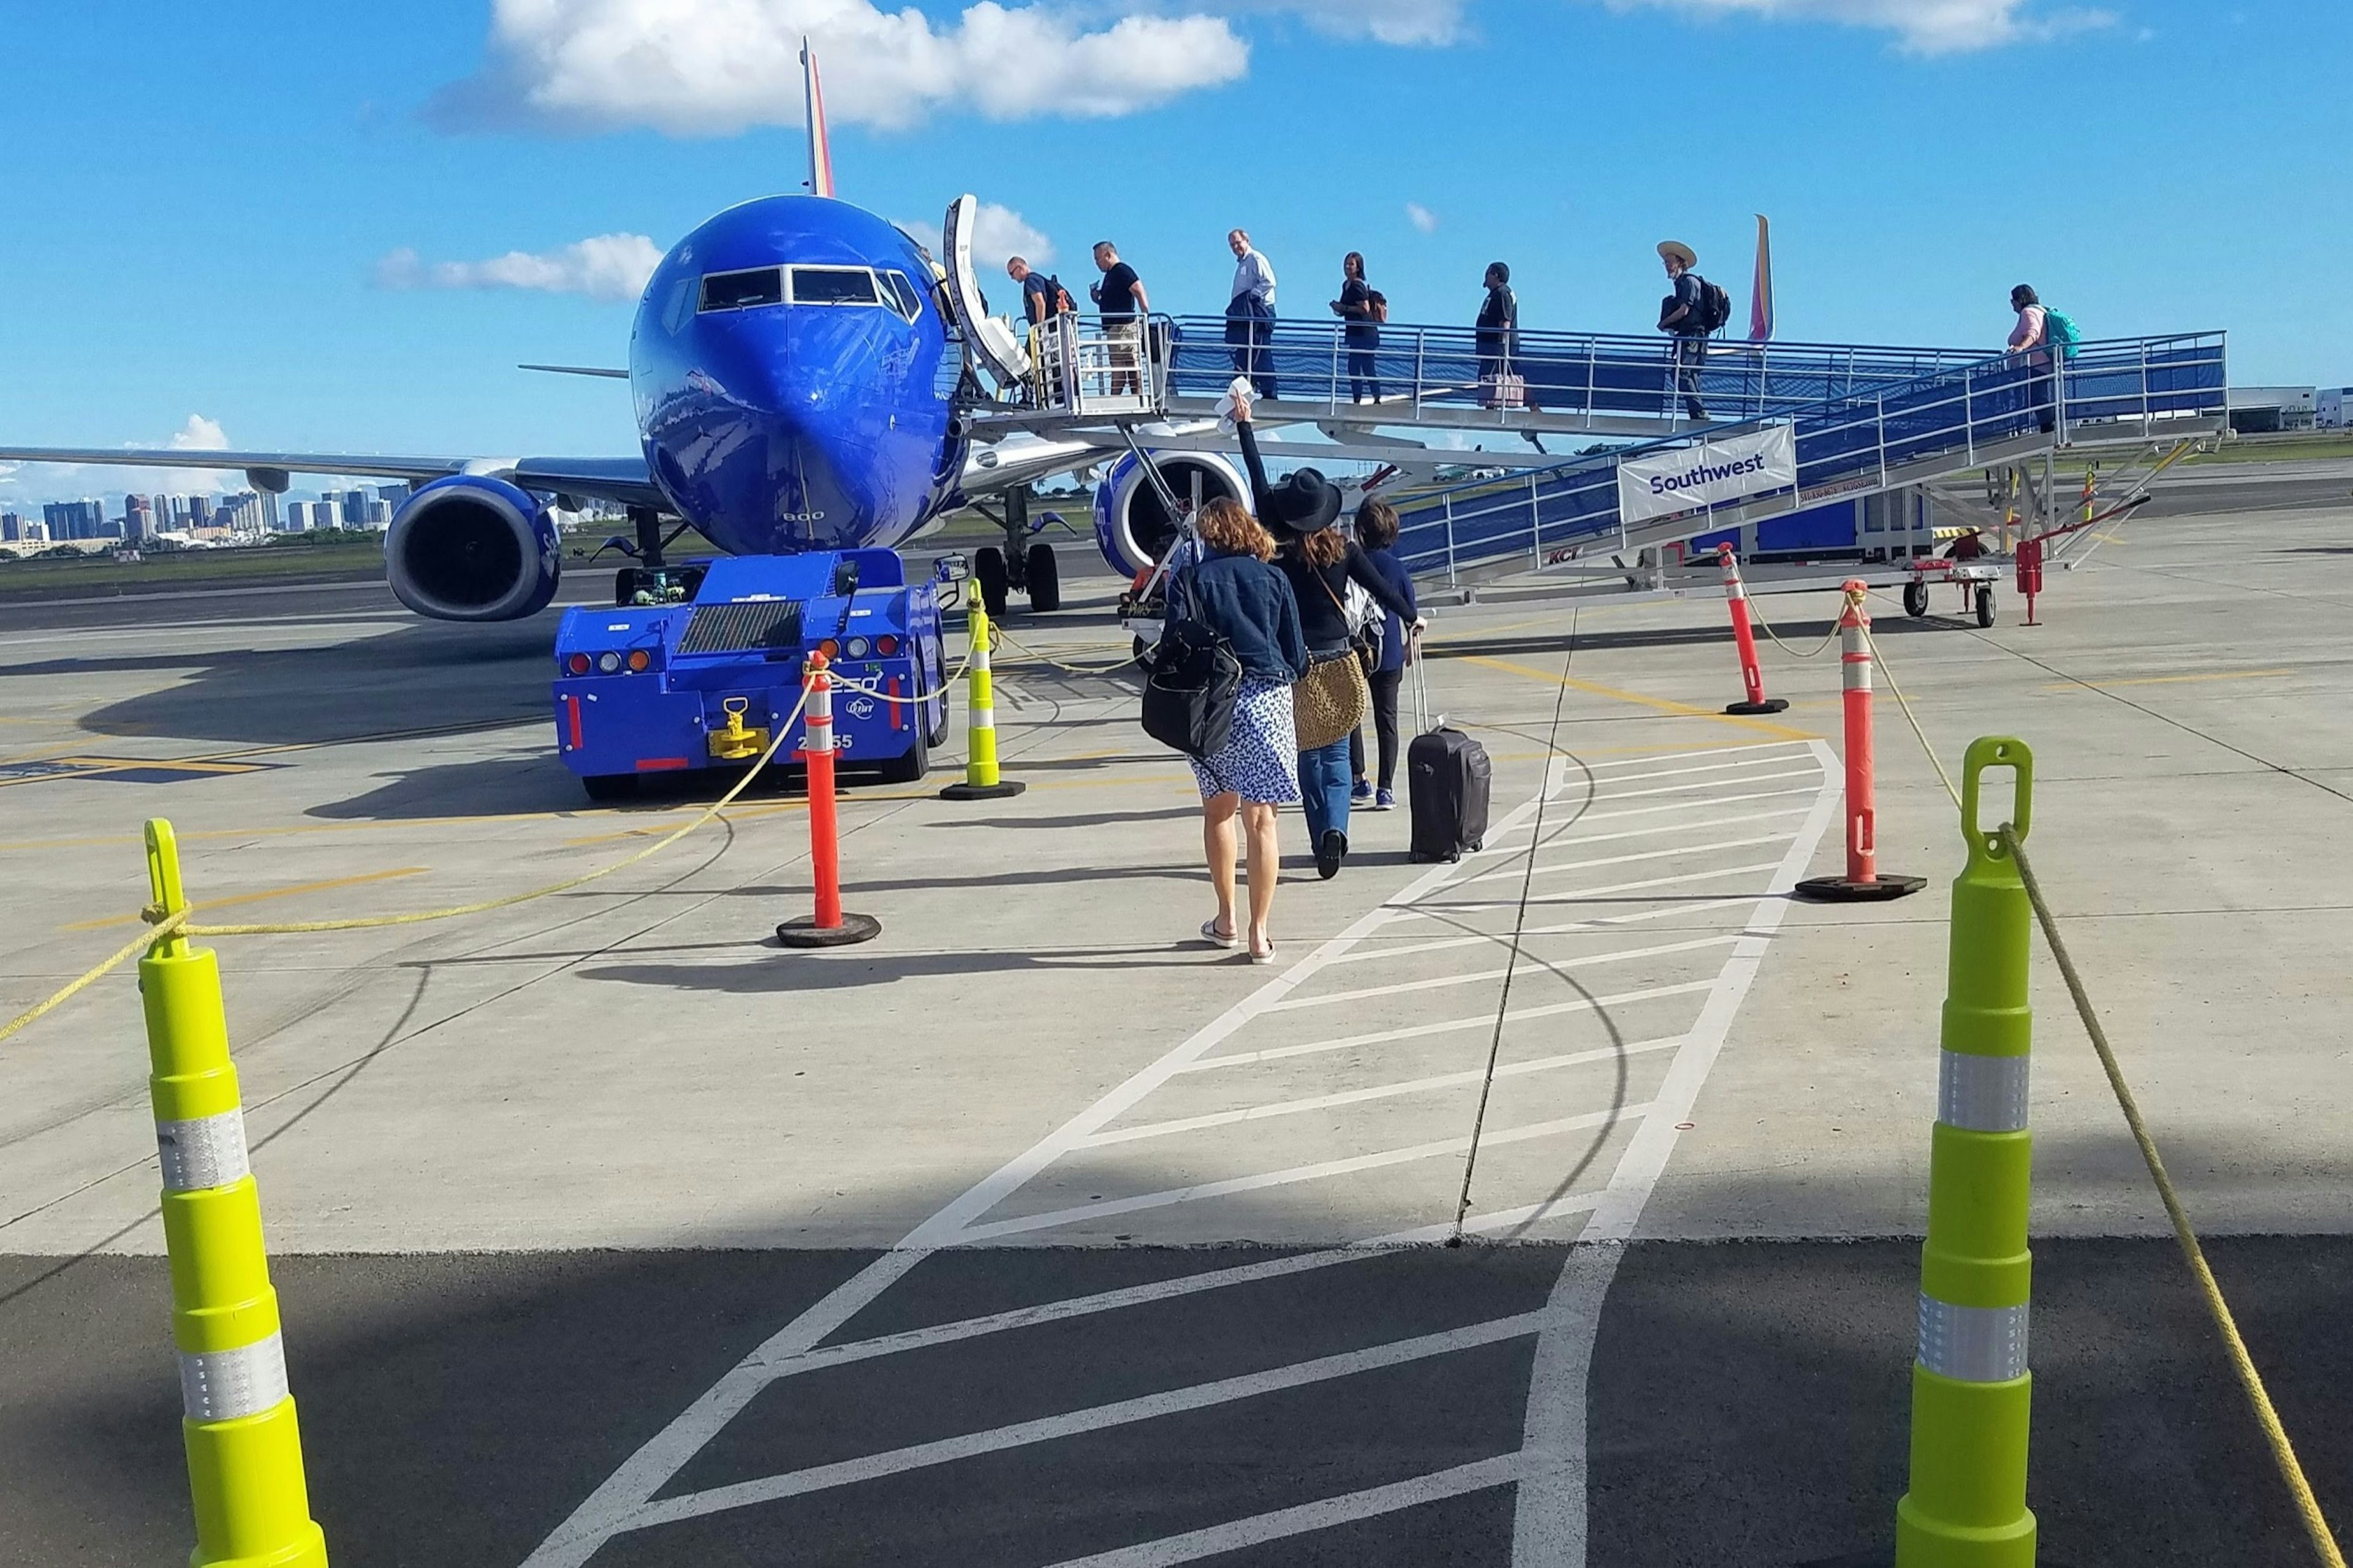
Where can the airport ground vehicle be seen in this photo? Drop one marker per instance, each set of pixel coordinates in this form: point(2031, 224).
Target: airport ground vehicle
point(703, 682)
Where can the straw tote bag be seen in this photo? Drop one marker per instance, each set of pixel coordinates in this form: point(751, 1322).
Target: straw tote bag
point(1329, 701)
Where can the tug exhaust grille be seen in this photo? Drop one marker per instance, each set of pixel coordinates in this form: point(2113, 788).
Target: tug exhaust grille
point(770, 624)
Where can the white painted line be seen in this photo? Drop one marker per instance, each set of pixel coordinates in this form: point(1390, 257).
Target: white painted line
point(1709, 768)
point(1668, 854)
point(1503, 939)
point(1384, 1092)
point(1474, 1021)
point(1048, 1429)
point(1501, 1219)
point(1469, 977)
point(1652, 832)
point(1709, 752)
point(645, 1472)
point(1743, 781)
point(1549, 1518)
point(1307, 1518)
point(1203, 1191)
point(1656, 810)
point(1575, 895)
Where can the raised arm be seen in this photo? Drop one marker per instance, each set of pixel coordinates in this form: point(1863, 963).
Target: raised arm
point(1261, 493)
point(1362, 569)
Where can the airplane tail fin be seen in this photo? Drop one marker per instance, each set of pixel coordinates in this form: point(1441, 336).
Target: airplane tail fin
point(820, 180)
point(1761, 288)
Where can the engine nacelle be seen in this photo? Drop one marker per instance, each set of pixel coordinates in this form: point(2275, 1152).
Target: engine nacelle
point(470, 548)
point(1133, 526)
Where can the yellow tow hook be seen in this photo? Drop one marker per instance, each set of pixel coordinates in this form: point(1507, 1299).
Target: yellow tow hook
point(737, 742)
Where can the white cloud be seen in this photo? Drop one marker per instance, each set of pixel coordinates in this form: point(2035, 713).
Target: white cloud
point(1923, 26)
point(999, 233)
point(1422, 218)
point(25, 485)
point(1383, 21)
point(608, 267)
point(713, 68)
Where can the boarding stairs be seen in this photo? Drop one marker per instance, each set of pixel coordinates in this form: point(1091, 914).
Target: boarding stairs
point(1867, 467)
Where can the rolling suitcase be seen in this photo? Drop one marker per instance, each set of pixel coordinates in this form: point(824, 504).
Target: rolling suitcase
point(1447, 778)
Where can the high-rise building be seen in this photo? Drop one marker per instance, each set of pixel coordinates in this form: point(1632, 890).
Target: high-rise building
point(268, 500)
point(200, 511)
point(138, 522)
point(12, 527)
point(64, 520)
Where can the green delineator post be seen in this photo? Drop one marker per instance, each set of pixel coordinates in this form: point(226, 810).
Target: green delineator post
point(1970, 1387)
point(245, 1451)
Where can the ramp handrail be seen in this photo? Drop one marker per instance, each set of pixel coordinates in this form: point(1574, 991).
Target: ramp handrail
point(1857, 445)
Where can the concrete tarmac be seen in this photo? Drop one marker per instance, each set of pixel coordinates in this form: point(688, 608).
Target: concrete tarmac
point(1039, 1232)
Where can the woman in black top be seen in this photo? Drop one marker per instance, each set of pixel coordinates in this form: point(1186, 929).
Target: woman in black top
point(1498, 324)
point(1302, 513)
point(1355, 306)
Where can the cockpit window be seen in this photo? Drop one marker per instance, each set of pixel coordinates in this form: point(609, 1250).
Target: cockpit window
point(833, 286)
point(911, 304)
point(742, 291)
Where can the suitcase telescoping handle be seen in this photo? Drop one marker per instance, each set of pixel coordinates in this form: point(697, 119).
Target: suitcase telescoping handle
point(1421, 702)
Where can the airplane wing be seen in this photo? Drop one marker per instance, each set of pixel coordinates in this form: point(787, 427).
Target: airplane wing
point(623, 479)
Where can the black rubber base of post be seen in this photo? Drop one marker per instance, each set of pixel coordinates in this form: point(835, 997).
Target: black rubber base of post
point(1750, 709)
point(854, 929)
point(1001, 790)
point(1885, 1558)
point(1839, 890)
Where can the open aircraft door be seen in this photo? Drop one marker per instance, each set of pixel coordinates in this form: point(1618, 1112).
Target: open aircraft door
point(989, 340)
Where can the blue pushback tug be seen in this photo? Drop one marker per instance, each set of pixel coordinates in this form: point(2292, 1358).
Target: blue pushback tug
point(666, 688)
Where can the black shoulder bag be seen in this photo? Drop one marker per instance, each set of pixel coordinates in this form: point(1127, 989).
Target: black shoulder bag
point(1190, 681)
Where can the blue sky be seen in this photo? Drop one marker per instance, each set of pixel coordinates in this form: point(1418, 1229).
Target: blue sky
point(269, 214)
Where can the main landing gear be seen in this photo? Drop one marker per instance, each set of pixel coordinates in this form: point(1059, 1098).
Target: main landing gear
point(1021, 567)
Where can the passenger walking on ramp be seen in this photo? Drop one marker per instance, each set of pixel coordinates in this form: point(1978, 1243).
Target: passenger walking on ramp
point(1250, 314)
point(2030, 346)
point(1685, 313)
point(1233, 594)
point(1302, 514)
point(1042, 297)
point(1121, 298)
point(1497, 338)
point(1363, 310)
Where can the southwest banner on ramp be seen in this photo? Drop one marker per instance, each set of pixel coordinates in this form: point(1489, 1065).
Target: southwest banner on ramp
point(1712, 473)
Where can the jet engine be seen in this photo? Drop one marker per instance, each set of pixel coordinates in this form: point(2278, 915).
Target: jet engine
point(1132, 525)
point(471, 548)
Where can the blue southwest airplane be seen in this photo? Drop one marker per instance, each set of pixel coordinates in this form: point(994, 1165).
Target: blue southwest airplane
point(803, 377)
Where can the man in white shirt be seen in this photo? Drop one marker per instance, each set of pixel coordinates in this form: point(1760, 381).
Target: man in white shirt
point(1250, 315)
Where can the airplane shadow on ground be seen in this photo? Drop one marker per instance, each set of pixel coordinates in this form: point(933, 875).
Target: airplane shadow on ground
point(769, 970)
point(425, 676)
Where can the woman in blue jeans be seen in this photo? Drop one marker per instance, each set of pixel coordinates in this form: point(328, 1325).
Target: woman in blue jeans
point(1304, 514)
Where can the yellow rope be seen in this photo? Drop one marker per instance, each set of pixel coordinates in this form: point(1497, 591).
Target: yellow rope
point(2307, 1506)
point(1758, 615)
point(122, 956)
point(2242, 1363)
point(997, 635)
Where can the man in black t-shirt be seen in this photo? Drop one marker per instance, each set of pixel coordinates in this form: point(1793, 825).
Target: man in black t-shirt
point(1121, 299)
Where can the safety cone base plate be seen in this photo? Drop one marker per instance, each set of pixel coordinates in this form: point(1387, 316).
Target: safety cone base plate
point(1845, 890)
point(808, 933)
point(1885, 1558)
point(1750, 709)
point(999, 791)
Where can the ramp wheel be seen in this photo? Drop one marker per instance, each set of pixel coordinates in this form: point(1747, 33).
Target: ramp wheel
point(610, 786)
point(1045, 578)
point(1915, 598)
point(1984, 606)
point(988, 574)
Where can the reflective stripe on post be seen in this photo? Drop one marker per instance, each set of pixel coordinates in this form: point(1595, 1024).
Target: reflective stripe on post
point(980, 776)
point(238, 1420)
point(1972, 1390)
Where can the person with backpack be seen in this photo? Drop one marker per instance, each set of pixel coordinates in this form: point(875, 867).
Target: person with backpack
point(1235, 598)
point(1363, 309)
point(1691, 313)
point(1043, 298)
point(2038, 331)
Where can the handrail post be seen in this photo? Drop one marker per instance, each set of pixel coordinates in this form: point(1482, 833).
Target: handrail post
point(1332, 404)
point(1420, 355)
point(1880, 429)
point(1535, 525)
point(1450, 541)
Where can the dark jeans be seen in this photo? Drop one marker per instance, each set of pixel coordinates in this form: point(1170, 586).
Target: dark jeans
point(1249, 327)
point(1363, 371)
point(1385, 684)
point(1690, 354)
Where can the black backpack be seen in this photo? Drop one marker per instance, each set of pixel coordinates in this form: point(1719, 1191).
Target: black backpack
point(1714, 306)
point(1059, 298)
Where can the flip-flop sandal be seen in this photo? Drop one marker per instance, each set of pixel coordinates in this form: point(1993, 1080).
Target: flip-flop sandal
point(1215, 938)
point(1266, 957)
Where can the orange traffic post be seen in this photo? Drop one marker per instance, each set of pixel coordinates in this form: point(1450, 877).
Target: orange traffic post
point(829, 926)
point(1863, 881)
point(1752, 675)
point(2029, 575)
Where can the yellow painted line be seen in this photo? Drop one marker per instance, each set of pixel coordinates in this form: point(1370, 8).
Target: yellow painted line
point(1658, 704)
point(42, 753)
point(2167, 680)
point(131, 920)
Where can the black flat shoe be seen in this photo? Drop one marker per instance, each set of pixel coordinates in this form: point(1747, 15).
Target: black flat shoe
point(1330, 850)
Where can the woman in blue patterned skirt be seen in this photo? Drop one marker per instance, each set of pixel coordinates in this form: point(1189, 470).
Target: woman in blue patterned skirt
point(1237, 595)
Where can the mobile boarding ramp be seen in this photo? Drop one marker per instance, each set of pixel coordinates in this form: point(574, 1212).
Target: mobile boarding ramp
point(1800, 484)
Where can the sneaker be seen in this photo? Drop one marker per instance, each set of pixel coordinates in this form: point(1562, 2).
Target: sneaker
point(1362, 790)
point(1385, 800)
point(1330, 850)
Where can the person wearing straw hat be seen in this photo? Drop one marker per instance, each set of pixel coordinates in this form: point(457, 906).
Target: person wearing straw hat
point(1684, 313)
